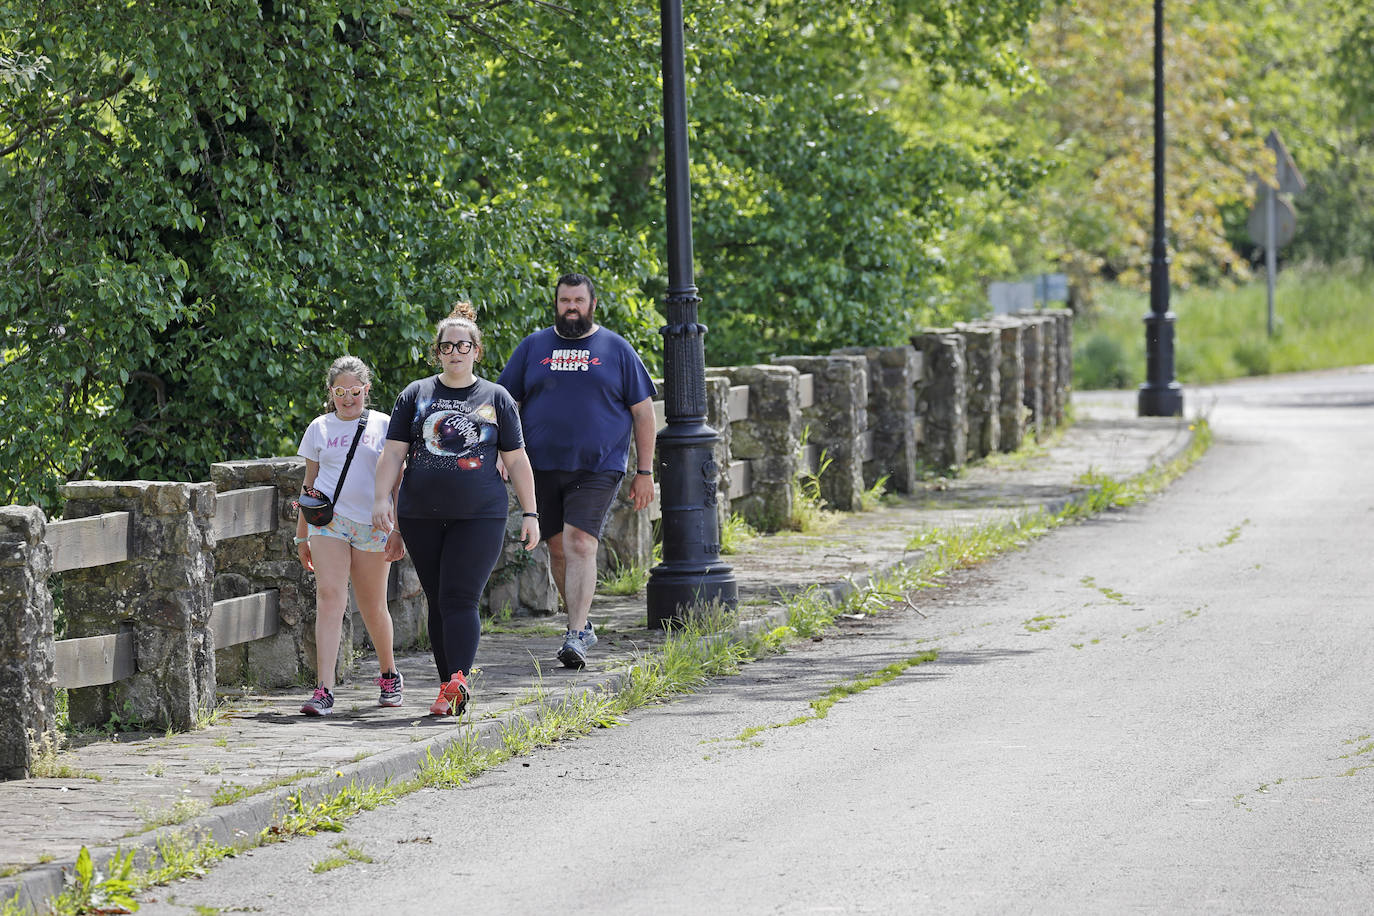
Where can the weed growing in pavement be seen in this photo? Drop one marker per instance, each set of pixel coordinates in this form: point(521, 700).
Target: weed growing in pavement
point(46, 755)
point(348, 854)
point(735, 534)
point(184, 810)
point(964, 547)
point(1363, 751)
point(874, 496)
point(90, 890)
point(229, 792)
point(820, 707)
point(329, 813)
point(176, 857)
point(205, 718)
point(1231, 537)
point(1110, 594)
point(1108, 493)
point(628, 579)
point(1041, 622)
point(809, 514)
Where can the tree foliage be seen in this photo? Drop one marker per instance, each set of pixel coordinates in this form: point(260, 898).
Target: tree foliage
point(217, 199)
point(207, 202)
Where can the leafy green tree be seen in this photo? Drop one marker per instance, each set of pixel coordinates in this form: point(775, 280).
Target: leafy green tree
point(1096, 111)
point(214, 200)
point(218, 199)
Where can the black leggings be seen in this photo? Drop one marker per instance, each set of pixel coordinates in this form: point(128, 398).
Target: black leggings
point(454, 558)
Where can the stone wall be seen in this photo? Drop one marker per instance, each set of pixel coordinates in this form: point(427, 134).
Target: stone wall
point(27, 706)
point(893, 374)
point(942, 400)
point(836, 423)
point(520, 585)
point(165, 596)
point(254, 563)
point(718, 418)
point(983, 355)
point(1011, 375)
point(769, 440)
point(1059, 352)
point(1033, 375)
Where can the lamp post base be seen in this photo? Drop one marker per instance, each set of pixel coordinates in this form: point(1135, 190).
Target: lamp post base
point(673, 594)
point(1155, 401)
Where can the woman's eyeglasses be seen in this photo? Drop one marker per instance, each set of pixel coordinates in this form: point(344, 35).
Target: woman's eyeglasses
point(448, 346)
point(339, 391)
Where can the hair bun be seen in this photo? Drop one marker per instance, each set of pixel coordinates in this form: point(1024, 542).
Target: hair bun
point(463, 310)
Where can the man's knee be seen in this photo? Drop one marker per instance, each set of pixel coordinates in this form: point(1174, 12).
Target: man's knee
point(578, 543)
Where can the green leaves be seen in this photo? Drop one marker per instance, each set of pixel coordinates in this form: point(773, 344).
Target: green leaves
point(211, 202)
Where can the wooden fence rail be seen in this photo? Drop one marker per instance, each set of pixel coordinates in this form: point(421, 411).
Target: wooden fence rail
point(85, 543)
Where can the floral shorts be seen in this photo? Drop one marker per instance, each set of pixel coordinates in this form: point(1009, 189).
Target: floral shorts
point(359, 536)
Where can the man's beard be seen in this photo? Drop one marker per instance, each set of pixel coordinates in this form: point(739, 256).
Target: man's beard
point(568, 326)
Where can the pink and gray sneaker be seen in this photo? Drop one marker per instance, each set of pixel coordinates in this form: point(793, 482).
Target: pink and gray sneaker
point(321, 704)
point(390, 684)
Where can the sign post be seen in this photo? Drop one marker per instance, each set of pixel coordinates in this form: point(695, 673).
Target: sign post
point(1272, 222)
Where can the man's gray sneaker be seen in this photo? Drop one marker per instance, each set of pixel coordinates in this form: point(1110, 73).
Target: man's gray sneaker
point(575, 646)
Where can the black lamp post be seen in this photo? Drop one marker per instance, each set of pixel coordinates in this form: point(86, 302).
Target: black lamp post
point(691, 573)
point(1161, 395)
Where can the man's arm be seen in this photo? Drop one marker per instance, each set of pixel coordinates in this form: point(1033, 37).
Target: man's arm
point(642, 416)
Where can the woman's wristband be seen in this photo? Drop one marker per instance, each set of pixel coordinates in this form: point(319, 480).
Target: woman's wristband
point(645, 473)
point(531, 514)
point(299, 541)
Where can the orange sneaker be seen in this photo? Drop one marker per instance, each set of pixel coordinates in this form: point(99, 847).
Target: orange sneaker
point(453, 697)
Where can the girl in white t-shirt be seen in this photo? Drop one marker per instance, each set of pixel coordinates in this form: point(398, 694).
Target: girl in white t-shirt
point(348, 547)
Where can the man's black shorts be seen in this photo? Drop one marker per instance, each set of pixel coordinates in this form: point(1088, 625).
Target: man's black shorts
point(578, 498)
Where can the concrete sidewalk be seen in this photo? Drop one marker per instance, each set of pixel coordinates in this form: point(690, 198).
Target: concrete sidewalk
point(233, 779)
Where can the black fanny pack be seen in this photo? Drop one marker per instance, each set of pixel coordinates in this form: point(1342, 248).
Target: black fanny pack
point(318, 509)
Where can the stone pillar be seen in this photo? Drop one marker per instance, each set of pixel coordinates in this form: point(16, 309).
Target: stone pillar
point(1033, 357)
point(1049, 366)
point(718, 418)
point(837, 421)
point(163, 591)
point(983, 351)
point(628, 538)
point(1064, 350)
point(942, 401)
point(768, 440)
point(409, 608)
point(27, 719)
point(256, 562)
point(1011, 404)
point(893, 373)
point(522, 581)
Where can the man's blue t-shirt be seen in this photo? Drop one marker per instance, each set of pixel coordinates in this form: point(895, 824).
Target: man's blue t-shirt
point(575, 398)
point(454, 434)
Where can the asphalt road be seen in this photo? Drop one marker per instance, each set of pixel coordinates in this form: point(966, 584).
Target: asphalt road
point(1165, 709)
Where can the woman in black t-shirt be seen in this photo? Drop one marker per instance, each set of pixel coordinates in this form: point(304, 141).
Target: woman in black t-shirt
point(446, 432)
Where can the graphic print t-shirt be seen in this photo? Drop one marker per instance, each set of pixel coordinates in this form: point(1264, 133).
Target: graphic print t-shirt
point(454, 435)
point(326, 441)
point(575, 398)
